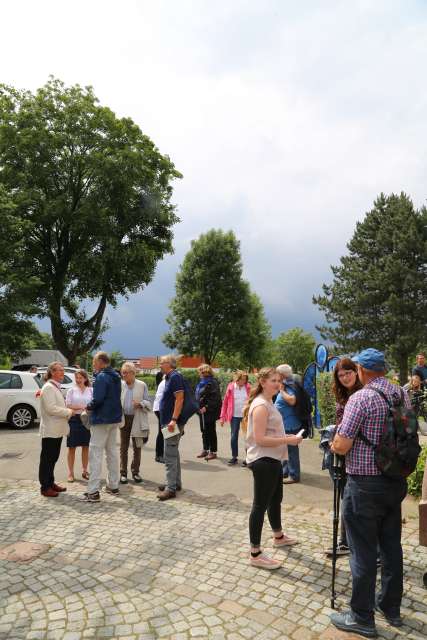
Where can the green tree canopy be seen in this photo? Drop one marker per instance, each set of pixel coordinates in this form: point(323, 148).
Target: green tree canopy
point(91, 206)
point(378, 297)
point(294, 347)
point(214, 310)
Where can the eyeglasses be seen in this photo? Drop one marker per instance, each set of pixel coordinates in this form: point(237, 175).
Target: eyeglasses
point(346, 374)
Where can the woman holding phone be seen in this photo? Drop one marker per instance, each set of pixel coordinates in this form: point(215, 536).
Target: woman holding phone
point(267, 447)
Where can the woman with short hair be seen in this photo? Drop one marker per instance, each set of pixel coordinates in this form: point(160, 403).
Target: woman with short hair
point(208, 396)
point(78, 397)
point(235, 398)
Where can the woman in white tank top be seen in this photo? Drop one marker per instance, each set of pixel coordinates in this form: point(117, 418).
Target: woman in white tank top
point(267, 447)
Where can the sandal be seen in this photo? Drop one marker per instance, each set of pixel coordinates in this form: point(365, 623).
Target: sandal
point(85, 475)
point(70, 478)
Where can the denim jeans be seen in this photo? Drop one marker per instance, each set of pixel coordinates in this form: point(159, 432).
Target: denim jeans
point(291, 467)
point(235, 428)
point(372, 515)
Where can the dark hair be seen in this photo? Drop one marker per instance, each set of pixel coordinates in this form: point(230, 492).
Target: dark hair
point(84, 375)
point(341, 393)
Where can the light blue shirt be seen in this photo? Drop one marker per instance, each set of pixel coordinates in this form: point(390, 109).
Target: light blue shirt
point(128, 408)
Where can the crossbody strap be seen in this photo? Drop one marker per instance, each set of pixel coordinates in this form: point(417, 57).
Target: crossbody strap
point(362, 436)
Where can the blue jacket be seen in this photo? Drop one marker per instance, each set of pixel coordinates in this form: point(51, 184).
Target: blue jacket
point(106, 403)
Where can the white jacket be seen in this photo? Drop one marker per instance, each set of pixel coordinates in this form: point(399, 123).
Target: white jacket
point(140, 424)
point(54, 414)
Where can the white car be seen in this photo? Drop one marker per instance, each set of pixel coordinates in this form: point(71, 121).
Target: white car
point(19, 398)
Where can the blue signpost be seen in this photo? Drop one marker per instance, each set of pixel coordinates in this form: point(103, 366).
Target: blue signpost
point(322, 362)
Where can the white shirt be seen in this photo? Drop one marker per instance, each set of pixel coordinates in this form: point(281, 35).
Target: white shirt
point(240, 398)
point(76, 398)
point(158, 396)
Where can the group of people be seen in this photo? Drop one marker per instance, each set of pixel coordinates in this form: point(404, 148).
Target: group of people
point(371, 522)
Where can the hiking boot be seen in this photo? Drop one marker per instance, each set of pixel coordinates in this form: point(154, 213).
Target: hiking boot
point(123, 478)
point(347, 622)
point(49, 493)
point(91, 497)
point(263, 561)
point(58, 489)
point(202, 454)
point(166, 495)
point(394, 621)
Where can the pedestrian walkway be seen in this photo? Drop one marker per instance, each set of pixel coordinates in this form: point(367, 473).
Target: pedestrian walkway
point(133, 568)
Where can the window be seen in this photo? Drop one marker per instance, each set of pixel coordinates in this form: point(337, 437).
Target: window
point(5, 380)
point(15, 382)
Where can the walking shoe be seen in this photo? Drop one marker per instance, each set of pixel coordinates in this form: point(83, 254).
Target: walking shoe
point(202, 454)
point(114, 492)
point(90, 497)
point(162, 487)
point(123, 478)
point(347, 622)
point(232, 461)
point(394, 621)
point(263, 561)
point(166, 495)
point(137, 478)
point(342, 550)
point(287, 480)
point(49, 493)
point(211, 456)
point(284, 541)
point(58, 489)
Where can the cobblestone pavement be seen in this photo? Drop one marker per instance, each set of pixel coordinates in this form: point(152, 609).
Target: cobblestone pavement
point(136, 569)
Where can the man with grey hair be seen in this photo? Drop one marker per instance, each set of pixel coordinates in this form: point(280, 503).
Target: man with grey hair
point(286, 402)
point(170, 409)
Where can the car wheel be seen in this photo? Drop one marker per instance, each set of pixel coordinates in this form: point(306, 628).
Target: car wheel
point(21, 416)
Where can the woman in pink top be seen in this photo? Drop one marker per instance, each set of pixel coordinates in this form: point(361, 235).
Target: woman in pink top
point(266, 449)
point(235, 398)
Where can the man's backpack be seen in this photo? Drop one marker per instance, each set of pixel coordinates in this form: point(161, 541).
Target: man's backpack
point(397, 452)
point(190, 406)
point(303, 409)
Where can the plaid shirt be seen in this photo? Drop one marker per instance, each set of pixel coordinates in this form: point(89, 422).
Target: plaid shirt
point(366, 411)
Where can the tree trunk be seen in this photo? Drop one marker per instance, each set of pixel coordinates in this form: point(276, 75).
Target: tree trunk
point(403, 368)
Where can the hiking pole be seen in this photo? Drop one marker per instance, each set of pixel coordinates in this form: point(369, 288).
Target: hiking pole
point(337, 478)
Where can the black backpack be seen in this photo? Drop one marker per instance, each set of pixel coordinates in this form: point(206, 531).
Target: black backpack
point(303, 409)
point(397, 452)
point(190, 406)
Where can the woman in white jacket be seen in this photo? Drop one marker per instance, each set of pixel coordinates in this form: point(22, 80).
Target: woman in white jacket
point(54, 416)
point(136, 408)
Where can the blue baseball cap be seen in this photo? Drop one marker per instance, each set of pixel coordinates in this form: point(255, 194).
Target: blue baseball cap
point(371, 359)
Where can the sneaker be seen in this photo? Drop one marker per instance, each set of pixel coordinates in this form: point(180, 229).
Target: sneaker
point(342, 550)
point(202, 454)
point(49, 493)
point(232, 461)
point(123, 478)
point(394, 621)
point(137, 478)
point(347, 622)
point(263, 561)
point(114, 492)
point(91, 497)
point(244, 463)
point(284, 541)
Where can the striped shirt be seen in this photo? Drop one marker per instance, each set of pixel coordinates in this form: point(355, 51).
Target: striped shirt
point(366, 412)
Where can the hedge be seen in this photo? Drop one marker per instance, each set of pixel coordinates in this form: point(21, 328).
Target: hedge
point(192, 375)
point(325, 398)
point(415, 480)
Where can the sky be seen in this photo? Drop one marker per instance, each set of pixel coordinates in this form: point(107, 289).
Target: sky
point(286, 120)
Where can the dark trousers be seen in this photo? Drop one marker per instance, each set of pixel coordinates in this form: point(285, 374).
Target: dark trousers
point(372, 516)
point(235, 428)
point(160, 442)
point(208, 429)
point(124, 448)
point(268, 494)
point(49, 455)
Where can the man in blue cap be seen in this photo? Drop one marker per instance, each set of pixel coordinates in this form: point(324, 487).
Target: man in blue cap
point(371, 502)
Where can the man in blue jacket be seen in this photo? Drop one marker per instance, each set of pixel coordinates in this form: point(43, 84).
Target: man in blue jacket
point(105, 419)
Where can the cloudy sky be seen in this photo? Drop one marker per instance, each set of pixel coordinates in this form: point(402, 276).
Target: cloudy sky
point(286, 119)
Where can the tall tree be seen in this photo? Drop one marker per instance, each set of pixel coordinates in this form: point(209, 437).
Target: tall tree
point(213, 307)
point(294, 347)
point(378, 297)
point(92, 195)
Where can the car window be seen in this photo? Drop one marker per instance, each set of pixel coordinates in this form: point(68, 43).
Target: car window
point(67, 380)
point(5, 380)
point(15, 382)
point(39, 380)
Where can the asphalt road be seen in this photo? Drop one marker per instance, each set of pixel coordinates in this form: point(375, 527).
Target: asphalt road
point(19, 457)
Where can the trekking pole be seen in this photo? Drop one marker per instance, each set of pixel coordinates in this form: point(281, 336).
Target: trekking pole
point(337, 478)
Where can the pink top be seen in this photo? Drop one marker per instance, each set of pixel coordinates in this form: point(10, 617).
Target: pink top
point(274, 429)
point(227, 409)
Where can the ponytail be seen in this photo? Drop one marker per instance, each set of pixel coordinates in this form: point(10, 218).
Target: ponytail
point(261, 376)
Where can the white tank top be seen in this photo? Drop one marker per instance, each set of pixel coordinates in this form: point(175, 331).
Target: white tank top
point(274, 429)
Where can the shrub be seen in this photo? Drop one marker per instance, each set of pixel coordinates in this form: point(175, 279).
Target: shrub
point(325, 398)
point(150, 381)
point(415, 480)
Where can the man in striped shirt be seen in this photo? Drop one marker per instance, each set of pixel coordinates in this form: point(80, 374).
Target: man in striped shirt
point(371, 502)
